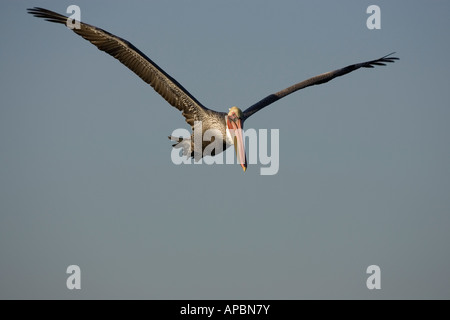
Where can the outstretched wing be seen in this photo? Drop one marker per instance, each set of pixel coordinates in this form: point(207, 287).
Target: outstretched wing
point(136, 61)
point(322, 78)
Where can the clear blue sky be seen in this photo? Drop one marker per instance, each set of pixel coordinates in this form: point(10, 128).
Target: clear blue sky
point(364, 178)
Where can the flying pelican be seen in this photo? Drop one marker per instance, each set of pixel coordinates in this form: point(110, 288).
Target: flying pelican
point(229, 124)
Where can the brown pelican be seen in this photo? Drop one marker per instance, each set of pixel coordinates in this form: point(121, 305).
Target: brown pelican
point(229, 124)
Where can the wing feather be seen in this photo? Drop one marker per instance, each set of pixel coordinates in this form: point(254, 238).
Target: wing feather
point(136, 61)
point(322, 78)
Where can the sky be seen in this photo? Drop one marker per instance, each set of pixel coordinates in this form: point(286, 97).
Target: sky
point(86, 176)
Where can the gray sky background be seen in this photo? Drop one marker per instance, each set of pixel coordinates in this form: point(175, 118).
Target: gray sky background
point(86, 176)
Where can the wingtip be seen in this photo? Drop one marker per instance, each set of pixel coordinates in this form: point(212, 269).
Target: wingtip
point(388, 57)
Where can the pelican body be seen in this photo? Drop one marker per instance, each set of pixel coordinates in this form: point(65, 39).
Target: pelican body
point(229, 124)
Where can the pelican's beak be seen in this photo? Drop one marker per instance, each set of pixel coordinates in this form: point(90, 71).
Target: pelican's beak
point(235, 126)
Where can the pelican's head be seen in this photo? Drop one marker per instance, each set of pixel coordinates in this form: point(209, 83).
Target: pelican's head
point(235, 112)
point(235, 126)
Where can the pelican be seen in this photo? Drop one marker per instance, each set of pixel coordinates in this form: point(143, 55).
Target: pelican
point(229, 124)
